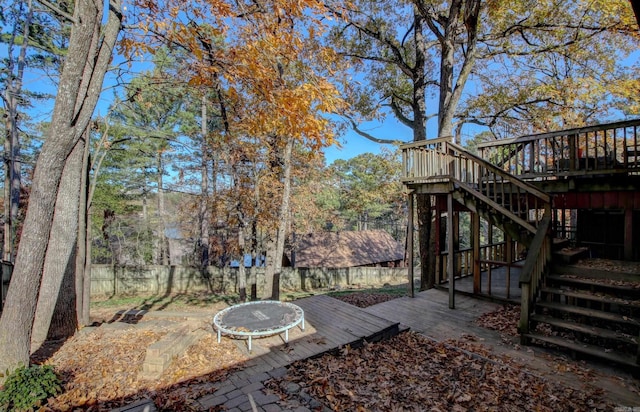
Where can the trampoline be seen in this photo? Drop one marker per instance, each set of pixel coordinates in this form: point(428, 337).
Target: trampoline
point(258, 319)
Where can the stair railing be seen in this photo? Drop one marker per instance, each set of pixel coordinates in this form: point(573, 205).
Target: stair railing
point(439, 160)
point(532, 275)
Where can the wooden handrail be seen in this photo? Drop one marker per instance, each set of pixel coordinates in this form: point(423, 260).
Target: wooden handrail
point(504, 211)
point(599, 149)
point(428, 142)
point(533, 271)
point(510, 177)
point(546, 135)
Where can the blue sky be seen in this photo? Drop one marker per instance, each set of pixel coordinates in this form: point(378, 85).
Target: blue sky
point(353, 144)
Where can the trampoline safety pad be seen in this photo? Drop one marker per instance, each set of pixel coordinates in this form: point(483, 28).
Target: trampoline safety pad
point(259, 318)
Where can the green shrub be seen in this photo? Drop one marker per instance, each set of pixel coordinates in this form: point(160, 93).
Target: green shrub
point(26, 388)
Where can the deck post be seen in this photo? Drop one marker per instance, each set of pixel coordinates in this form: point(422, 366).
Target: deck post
point(475, 239)
point(492, 255)
point(450, 252)
point(509, 259)
point(456, 244)
point(410, 244)
point(573, 150)
point(525, 308)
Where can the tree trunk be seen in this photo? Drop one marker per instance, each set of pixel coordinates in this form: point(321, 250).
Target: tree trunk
point(427, 261)
point(270, 268)
point(164, 247)
point(60, 259)
point(283, 219)
point(242, 275)
point(13, 166)
point(204, 193)
point(253, 283)
point(80, 83)
point(82, 312)
point(86, 284)
point(423, 201)
point(275, 244)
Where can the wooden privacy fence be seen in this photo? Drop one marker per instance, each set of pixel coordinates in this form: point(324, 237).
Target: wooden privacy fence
point(107, 280)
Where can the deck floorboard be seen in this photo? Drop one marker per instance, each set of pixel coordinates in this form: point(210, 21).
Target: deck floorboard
point(330, 325)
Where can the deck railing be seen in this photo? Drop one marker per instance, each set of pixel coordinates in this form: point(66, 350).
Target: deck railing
point(491, 256)
point(533, 271)
point(605, 148)
point(439, 160)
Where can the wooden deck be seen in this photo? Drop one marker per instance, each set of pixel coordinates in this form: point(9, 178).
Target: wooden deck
point(496, 287)
point(429, 314)
point(333, 324)
point(330, 325)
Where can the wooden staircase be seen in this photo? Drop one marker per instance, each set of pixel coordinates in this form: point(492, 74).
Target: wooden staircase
point(597, 317)
point(594, 316)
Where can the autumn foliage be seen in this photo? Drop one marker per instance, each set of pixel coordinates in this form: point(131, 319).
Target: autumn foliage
point(263, 59)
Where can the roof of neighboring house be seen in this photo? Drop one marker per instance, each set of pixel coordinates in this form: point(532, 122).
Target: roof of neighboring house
point(346, 249)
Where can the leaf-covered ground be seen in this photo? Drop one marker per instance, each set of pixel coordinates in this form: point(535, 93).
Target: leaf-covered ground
point(413, 373)
point(363, 300)
point(504, 320)
point(100, 367)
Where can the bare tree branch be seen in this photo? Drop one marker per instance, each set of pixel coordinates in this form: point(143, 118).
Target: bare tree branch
point(369, 136)
point(57, 11)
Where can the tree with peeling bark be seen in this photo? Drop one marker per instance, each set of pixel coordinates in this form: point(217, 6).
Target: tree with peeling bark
point(90, 49)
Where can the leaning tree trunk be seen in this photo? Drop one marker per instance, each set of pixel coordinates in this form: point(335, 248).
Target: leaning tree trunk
point(59, 263)
point(80, 83)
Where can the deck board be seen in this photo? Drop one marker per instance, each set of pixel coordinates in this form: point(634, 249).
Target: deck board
point(333, 324)
point(429, 314)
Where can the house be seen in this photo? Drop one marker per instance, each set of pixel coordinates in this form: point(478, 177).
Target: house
point(375, 248)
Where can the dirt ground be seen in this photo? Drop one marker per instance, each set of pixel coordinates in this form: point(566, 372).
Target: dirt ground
point(101, 365)
point(101, 368)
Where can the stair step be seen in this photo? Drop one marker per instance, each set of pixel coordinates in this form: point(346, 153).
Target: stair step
point(590, 350)
point(618, 290)
point(571, 255)
point(592, 313)
point(585, 329)
point(559, 243)
point(634, 304)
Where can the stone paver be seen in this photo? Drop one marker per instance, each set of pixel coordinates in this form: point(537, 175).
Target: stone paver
point(247, 394)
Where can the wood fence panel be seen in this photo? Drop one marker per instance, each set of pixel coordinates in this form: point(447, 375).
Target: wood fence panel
point(107, 280)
